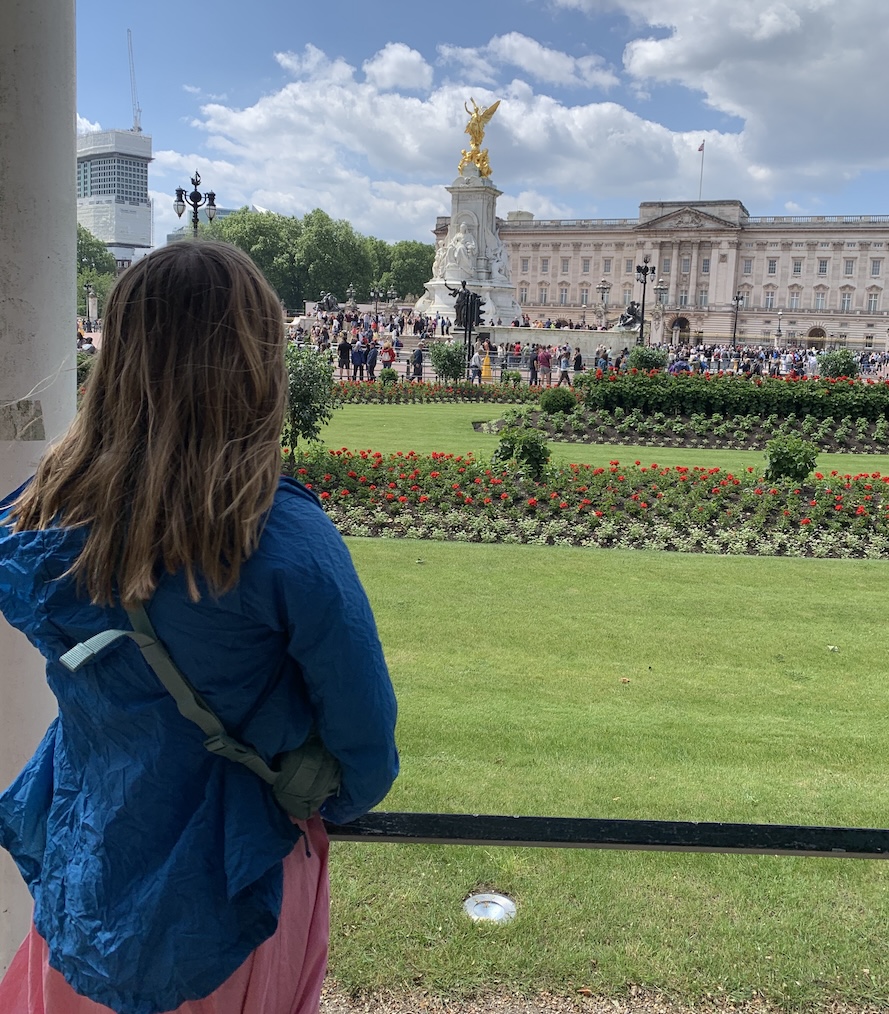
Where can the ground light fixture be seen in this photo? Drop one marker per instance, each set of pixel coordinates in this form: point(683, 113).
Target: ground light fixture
point(489, 907)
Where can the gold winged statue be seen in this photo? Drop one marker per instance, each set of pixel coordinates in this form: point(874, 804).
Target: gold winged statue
point(478, 120)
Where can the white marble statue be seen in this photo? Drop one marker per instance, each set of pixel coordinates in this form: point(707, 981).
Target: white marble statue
point(438, 263)
point(461, 252)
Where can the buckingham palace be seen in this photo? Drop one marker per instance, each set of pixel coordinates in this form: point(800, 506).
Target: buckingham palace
point(718, 273)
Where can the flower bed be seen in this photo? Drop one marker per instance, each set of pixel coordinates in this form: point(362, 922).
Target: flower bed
point(638, 506)
point(377, 393)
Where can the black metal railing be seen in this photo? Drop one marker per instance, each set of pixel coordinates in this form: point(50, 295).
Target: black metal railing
point(592, 833)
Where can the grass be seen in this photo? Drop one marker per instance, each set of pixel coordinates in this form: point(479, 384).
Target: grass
point(509, 665)
point(427, 428)
point(539, 680)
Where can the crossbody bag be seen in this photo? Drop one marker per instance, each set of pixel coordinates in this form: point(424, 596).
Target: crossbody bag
point(300, 779)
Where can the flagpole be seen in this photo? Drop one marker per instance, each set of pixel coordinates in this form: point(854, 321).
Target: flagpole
point(701, 183)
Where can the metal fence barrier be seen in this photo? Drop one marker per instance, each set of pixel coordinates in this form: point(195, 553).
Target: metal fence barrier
point(591, 833)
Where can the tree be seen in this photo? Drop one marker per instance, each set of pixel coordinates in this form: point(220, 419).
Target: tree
point(411, 266)
point(272, 241)
point(643, 357)
point(93, 257)
point(333, 256)
point(448, 360)
point(96, 267)
point(839, 363)
point(311, 395)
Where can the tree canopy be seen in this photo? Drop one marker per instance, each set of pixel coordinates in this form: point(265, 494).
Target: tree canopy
point(96, 267)
point(303, 257)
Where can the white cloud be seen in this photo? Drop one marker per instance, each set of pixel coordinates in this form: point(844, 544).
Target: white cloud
point(536, 61)
point(84, 126)
point(397, 66)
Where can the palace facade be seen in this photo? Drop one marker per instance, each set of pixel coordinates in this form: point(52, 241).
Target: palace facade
point(720, 273)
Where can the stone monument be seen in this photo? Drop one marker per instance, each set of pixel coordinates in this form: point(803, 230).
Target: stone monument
point(472, 252)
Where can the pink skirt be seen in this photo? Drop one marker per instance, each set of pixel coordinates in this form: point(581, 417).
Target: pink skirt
point(282, 976)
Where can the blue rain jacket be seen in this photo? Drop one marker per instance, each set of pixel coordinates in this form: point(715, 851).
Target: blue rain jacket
point(155, 867)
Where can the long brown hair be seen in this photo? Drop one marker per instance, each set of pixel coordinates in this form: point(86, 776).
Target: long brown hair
point(173, 458)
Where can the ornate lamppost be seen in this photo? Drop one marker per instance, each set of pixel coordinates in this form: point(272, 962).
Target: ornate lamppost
point(644, 271)
point(778, 334)
point(195, 200)
point(583, 317)
point(737, 300)
point(90, 302)
point(603, 288)
point(377, 292)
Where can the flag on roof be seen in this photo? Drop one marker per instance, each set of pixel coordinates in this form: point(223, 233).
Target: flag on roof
point(702, 146)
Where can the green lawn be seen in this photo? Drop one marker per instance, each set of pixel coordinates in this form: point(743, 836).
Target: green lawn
point(540, 680)
point(427, 428)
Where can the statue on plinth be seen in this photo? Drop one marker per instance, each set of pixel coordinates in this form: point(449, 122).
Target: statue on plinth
point(460, 254)
point(478, 120)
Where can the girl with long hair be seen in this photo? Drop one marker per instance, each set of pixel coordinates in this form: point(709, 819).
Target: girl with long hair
point(166, 878)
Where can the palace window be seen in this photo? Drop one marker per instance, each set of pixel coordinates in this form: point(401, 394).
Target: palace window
point(542, 294)
point(703, 297)
point(875, 267)
point(769, 300)
point(606, 266)
point(544, 264)
point(584, 296)
point(794, 301)
point(705, 265)
point(628, 265)
point(845, 301)
point(585, 265)
point(849, 267)
point(820, 300)
point(685, 265)
point(665, 265)
point(564, 265)
point(523, 293)
point(683, 297)
point(822, 266)
point(873, 302)
point(526, 265)
point(563, 295)
point(748, 266)
point(797, 266)
point(772, 266)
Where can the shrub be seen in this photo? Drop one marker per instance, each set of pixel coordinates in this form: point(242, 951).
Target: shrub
point(84, 365)
point(511, 377)
point(557, 399)
point(523, 447)
point(388, 376)
point(644, 358)
point(311, 395)
point(448, 360)
point(839, 363)
point(790, 457)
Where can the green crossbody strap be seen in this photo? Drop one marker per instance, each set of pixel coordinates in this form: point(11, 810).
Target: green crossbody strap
point(189, 702)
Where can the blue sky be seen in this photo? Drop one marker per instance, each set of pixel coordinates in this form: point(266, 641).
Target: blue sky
point(357, 108)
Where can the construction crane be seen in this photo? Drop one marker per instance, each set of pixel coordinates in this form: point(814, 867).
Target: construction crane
point(137, 109)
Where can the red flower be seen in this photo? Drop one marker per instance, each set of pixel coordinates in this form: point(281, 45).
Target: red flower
point(804, 521)
point(325, 495)
point(532, 502)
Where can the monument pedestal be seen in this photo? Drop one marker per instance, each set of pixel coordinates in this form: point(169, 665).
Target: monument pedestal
point(472, 252)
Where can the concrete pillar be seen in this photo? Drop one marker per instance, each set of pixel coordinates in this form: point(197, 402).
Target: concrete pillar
point(37, 335)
